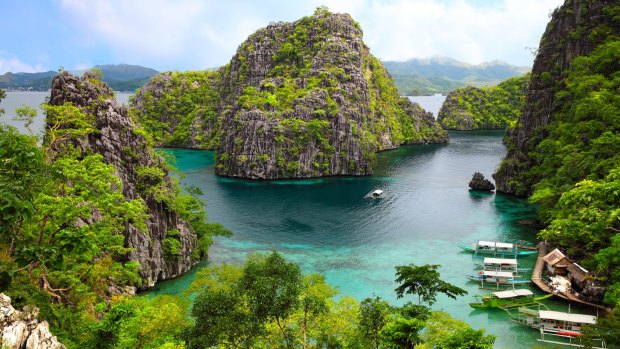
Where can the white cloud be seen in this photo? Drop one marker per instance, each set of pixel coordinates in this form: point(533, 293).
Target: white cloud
point(156, 27)
point(15, 65)
point(161, 30)
point(402, 29)
point(196, 34)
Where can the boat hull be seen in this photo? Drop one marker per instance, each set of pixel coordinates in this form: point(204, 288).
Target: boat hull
point(499, 303)
point(491, 280)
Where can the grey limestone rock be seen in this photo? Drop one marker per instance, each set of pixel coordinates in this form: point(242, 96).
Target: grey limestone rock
point(478, 182)
point(21, 329)
point(118, 140)
point(558, 47)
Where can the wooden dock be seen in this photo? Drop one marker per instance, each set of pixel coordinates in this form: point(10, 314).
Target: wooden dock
point(538, 281)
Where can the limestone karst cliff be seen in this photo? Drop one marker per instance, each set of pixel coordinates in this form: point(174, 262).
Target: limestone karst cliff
point(484, 108)
point(300, 99)
point(575, 30)
point(144, 176)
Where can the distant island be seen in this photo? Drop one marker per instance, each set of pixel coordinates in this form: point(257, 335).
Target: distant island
point(414, 77)
point(120, 77)
point(427, 76)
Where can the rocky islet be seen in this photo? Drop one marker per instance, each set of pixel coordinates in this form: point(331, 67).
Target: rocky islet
point(298, 100)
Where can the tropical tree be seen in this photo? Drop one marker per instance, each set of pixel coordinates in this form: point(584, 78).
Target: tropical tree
point(272, 286)
point(443, 331)
point(26, 114)
point(374, 315)
point(425, 282)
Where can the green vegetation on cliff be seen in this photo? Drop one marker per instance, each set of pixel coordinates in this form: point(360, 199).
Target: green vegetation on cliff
point(178, 104)
point(71, 214)
point(579, 191)
point(564, 150)
point(486, 108)
point(301, 99)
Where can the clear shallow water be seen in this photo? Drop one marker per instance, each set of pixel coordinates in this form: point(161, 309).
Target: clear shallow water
point(330, 226)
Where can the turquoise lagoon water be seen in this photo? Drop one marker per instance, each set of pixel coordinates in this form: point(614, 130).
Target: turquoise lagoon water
point(332, 227)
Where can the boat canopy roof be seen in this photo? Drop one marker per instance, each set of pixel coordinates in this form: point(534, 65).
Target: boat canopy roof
point(560, 316)
point(505, 274)
point(494, 244)
point(503, 245)
point(513, 293)
point(500, 261)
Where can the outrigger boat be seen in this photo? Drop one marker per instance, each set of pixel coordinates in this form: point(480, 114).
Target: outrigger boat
point(501, 264)
point(496, 248)
point(508, 299)
point(497, 278)
point(557, 324)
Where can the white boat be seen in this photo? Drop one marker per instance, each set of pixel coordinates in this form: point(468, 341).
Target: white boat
point(497, 278)
point(557, 324)
point(501, 264)
point(377, 193)
point(495, 248)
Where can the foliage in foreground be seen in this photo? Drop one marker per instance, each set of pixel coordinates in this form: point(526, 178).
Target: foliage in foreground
point(63, 218)
point(268, 303)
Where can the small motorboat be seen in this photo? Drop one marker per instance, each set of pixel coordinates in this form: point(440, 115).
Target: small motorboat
point(377, 193)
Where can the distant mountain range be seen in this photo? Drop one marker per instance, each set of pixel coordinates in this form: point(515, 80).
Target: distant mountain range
point(422, 76)
point(120, 77)
point(417, 76)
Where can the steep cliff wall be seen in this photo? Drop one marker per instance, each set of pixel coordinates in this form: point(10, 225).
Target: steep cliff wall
point(485, 108)
point(307, 99)
point(143, 174)
point(575, 29)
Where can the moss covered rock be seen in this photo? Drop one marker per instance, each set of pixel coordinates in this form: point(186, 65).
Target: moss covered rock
point(297, 100)
point(486, 108)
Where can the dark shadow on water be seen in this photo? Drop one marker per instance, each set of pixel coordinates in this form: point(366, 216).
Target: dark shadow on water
point(480, 195)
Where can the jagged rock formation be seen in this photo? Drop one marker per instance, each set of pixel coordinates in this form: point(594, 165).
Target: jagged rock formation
point(307, 99)
point(487, 108)
point(123, 144)
point(478, 182)
point(22, 330)
point(575, 29)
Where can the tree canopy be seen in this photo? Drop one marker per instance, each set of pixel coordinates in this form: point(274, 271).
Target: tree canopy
point(425, 282)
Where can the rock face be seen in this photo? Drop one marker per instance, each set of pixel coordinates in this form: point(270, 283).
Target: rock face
point(307, 99)
point(22, 330)
point(122, 144)
point(487, 108)
point(570, 33)
point(478, 182)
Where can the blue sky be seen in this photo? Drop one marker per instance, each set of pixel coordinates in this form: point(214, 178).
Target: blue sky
point(39, 35)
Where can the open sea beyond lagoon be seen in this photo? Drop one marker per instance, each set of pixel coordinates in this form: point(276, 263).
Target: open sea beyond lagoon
point(332, 226)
